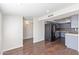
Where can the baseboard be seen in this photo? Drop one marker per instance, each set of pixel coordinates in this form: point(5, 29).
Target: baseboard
point(38, 41)
point(27, 38)
point(12, 48)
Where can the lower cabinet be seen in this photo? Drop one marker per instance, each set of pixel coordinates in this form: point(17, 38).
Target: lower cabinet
point(71, 41)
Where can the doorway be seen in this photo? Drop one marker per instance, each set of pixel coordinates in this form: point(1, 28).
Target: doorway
point(27, 31)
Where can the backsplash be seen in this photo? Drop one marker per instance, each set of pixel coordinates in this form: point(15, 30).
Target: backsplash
point(66, 27)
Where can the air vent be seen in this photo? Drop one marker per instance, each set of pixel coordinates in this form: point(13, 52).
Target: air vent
point(50, 15)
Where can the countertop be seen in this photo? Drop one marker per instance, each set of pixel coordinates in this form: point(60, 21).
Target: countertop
point(72, 34)
point(67, 31)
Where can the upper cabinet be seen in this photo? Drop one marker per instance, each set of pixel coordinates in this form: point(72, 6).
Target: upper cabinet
point(74, 21)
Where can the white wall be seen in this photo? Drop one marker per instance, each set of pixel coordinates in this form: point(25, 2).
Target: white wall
point(38, 30)
point(12, 32)
point(78, 32)
point(0, 33)
point(27, 30)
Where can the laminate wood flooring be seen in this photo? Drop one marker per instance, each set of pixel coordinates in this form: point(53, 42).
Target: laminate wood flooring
point(42, 48)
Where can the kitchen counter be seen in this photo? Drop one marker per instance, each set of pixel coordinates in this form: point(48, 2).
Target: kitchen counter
point(65, 31)
point(71, 41)
point(72, 34)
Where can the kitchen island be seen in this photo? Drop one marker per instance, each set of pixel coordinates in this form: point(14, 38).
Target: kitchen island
point(71, 40)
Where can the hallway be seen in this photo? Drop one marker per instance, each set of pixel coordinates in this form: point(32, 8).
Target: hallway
point(42, 48)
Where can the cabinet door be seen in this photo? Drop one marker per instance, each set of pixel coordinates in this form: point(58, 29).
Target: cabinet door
point(71, 42)
point(74, 21)
point(57, 34)
point(62, 34)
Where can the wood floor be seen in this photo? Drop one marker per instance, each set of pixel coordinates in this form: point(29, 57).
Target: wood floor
point(42, 48)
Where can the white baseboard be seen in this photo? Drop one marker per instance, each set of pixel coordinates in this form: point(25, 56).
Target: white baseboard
point(36, 41)
point(27, 38)
point(12, 48)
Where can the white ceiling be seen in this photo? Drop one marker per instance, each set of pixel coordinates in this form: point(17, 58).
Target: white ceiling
point(32, 9)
